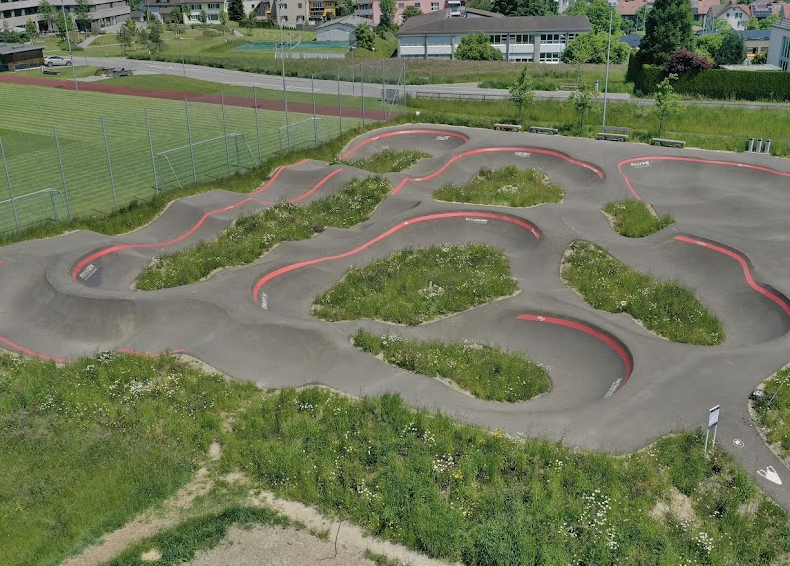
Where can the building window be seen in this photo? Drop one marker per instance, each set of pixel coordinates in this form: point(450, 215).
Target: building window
point(785, 51)
point(416, 4)
point(213, 17)
point(299, 5)
point(401, 6)
point(434, 6)
point(549, 38)
point(213, 6)
point(550, 57)
point(195, 7)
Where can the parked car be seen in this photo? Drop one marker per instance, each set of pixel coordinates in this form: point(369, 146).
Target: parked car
point(56, 61)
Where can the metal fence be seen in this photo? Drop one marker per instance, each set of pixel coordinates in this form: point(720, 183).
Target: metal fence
point(97, 165)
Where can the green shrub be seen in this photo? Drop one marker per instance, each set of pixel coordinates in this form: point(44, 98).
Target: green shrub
point(487, 372)
point(636, 219)
point(417, 285)
point(773, 410)
point(664, 307)
point(510, 186)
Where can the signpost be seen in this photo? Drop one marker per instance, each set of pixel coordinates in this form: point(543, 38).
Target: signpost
point(713, 422)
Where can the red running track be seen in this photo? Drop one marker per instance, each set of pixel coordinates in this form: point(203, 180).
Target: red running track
point(101, 253)
point(692, 160)
point(466, 214)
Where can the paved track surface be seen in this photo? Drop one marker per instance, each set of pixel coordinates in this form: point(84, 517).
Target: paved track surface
point(616, 387)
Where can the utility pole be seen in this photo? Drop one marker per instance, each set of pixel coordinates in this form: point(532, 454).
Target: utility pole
point(606, 80)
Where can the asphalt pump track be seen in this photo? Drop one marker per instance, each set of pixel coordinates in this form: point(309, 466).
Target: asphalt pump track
point(615, 386)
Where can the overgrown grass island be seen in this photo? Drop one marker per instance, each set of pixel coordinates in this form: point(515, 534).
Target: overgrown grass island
point(509, 186)
point(636, 219)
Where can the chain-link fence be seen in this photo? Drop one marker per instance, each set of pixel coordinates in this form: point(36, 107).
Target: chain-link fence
point(77, 168)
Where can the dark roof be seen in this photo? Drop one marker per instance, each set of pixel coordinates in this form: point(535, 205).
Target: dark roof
point(717, 11)
point(484, 13)
point(784, 24)
point(431, 24)
point(9, 48)
point(353, 21)
point(632, 40)
point(755, 34)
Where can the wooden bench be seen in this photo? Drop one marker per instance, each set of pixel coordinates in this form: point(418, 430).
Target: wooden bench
point(569, 86)
point(48, 72)
point(508, 127)
point(668, 143)
point(541, 130)
point(614, 133)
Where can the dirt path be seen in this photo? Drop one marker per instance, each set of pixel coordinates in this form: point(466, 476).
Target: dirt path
point(301, 107)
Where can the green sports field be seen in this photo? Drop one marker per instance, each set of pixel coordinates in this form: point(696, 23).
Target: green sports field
point(218, 148)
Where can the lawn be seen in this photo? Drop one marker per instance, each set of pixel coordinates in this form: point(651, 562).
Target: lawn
point(636, 219)
point(252, 236)
point(487, 372)
point(773, 410)
point(664, 307)
point(63, 73)
point(32, 154)
point(417, 285)
point(509, 186)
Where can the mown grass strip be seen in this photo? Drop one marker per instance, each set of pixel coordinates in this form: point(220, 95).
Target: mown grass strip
point(252, 236)
point(89, 445)
point(417, 285)
point(636, 219)
point(510, 186)
point(181, 543)
point(773, 410)
point(487, 372)
point(460, 493)
point(664, 307)
point(389, 160)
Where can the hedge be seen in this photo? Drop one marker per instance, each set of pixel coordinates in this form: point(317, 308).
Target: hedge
point(715, 83)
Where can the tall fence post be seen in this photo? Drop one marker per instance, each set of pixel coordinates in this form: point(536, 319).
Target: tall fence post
point(339, 102)
point(315, 123)
point(362, 87)
point(62, 173)
point(353, 79)
point(109, 163)
point(285, 101)
point(404, 86)
point(225, 128)
point(383, 91)
point(191, 147)
point(153, 157)
point(257, 129)
point(10, 190)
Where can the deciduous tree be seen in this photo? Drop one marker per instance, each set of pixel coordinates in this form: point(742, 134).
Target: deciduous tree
point(410, 12)
point(582, 101)
point(525, 7)
point(521, 91)
point(82, 15)
point(31, 30)
point(366, 39)
point(48, 14)
point(477, 47)
point(667, 103)
point(127, 34)
point(591, 48)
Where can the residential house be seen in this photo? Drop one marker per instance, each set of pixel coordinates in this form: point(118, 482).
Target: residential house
point(212, 10)
point(762, 9)
point(341, 29)
point(456, 8)
point(629, 10)
point(700, 9)
point(756, 41)
point(295, 12)
point(736, 16)
point(779, 47)
point(520, 39)
point(105, 15)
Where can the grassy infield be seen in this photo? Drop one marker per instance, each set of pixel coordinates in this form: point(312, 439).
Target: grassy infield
point(510, 186)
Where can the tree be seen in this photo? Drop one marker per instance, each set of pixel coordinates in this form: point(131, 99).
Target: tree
point(155, 31)
point(346, 7)
point(598, 13)
point(387, 8)
point(127, 34)
point(641, 17)
point(752, 23)
point(525, 7)
point(31, 30)
point(236, 10)
point(64, 24)
point(186, 11)
point(223, 18)
point(366, 39)
point(766, 23)
point(732, 50)
point(760, 59)
point(480, 5)
point(477, 47)
point(251, 21)
point(521, 91)
point(668, 28)
point(681, 61)
point(628, 27)
point(176, 16)
point(82, 15)
point(582, 101)
point(591, 48)
point(47, 14)
point(410, 12)
point(667, 103)
point(203, 18)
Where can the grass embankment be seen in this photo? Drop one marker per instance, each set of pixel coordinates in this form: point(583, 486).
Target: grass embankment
point(389, 160)
point(636, 219)
point(773, 411)
point(664, 307)
point(708, 127)
point(487, 372)
point(417, 285)
point(182, 542)
point(457, 492)
point(89, 445)
point(252, 236)
point(510, 186)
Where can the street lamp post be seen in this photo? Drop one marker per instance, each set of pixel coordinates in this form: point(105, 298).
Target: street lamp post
point(606, 80)
point(68, 42)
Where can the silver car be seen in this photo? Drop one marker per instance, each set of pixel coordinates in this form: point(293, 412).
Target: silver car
point(56, 61)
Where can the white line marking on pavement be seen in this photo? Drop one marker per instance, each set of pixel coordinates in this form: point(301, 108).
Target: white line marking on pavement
point(770, 474)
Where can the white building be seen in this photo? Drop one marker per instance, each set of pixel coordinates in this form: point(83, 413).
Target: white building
point(103, 13)
point(779, 48)
point(341, 29)
point(212, 10)
point(520, 39)
point(736, 16)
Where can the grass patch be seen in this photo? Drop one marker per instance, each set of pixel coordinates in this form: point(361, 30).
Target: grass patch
point(636, 219)
point(89, 445)
point(181, 543)
point(417, 285)
point(382, 559)
point(457, 492)
point(773, 410)
point(487, 372)
point(252, 236)
point(389, 160)
point(510, 186)
point(664, 307)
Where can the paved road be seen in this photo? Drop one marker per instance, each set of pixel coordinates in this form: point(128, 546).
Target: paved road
point(616, 386)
